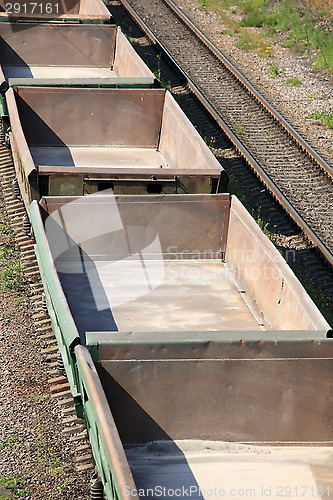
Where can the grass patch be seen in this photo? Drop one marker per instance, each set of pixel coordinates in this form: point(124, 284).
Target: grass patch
point(252, 42)
point(295, 82)
point(296, 21)
point(38, 398)
point(323, 301)
point(239, 129)
point(11, 487)
point(324, 118)
point(262, 224)
point(203, 4)
point(6, 230)
point(274, 71)
point(235, 188)
point(55, 466)
point(158, 74)
point(10, 268)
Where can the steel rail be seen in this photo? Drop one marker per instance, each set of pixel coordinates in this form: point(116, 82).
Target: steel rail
point(276, 115)
point(271, 186)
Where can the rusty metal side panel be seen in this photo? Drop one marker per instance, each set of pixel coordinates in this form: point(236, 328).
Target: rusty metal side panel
point(90, 117)
point(265, 276)
point(195, 183)
point(223, 392)
point(107, 449)
point(127, 62)
point(93, 7)
point(181, 144)
point(185, 226)
point(66, 185)
point(37, 44)
point(75, 181)
point(166, 345)
point(24, 165)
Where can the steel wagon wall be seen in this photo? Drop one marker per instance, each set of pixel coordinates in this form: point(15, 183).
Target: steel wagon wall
point(62, 321)
point(218, 389)
point(107, 449)
point(124, 136)
point(69, 47)
point(219, 384)
point(189, 229)
point(235, 399)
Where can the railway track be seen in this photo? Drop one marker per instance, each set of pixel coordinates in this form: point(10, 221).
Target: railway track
point(297, 177)
point(59, 385)
point(73, 427)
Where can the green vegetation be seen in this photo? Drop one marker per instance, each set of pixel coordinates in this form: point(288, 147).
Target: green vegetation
point(294, 81)
point(10, 441)
point(158, 74)
point(203, 5)
point(239, 129)
point(44, 461)
point(5, 229)
point(263, 225)
point(324, 118)
point(38, 398)
point(295, 21)
point(322, 300)
point(10, 268)
point(274, 71)
point(235, 187)
point(11, 487)
point(165, 85)
point(252, 42)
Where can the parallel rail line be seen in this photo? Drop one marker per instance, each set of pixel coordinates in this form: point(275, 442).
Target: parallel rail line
point(293, 172)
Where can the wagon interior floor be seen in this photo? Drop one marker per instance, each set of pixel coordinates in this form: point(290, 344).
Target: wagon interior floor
point(156, 296)
point(227, 468)
point(56, 72)
point(48, 157)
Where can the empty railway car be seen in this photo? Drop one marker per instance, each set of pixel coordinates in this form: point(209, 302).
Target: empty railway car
point(75, 141)
point(192, 351)
point(68, 55)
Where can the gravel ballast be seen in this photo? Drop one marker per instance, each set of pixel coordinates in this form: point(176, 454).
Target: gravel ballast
point(37, 461)
point(295, 103)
